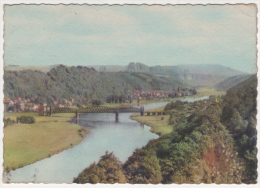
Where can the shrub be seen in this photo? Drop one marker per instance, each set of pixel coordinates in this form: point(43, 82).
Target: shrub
point(8, 121)
point(26, 119)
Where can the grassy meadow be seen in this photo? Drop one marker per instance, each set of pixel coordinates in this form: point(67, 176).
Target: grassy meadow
point(158, 125)
point(27, 143)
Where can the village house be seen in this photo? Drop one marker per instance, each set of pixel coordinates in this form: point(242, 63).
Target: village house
point(28, 107)
point(35, 106)
point(11, 103)
point(60, 105)
point(40, 108)
point(22, 106)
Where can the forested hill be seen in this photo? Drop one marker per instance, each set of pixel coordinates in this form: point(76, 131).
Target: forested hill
point(80, 82)
point(216, 143)
point(239, 117)
point(232, 81)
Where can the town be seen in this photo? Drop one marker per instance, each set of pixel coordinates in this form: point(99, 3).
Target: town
point(20, 104)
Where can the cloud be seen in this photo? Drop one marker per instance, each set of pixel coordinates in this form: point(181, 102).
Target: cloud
point(165, 34)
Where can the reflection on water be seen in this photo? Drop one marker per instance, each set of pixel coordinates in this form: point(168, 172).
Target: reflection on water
point(121, 137)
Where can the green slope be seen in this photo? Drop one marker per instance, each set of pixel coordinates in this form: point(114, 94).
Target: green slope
point(231, 81)
point(80, 82)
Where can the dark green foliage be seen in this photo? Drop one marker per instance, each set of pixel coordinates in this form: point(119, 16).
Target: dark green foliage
point(239, 116)
point(107, 170)
point(11, 108)
point(96, 102)
point(26, 119)
point(143, 167)
point(116, 99)
point(79, 82)
point(174, 105)
point(8, 121)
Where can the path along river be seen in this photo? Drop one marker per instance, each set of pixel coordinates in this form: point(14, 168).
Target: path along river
point(121, 137)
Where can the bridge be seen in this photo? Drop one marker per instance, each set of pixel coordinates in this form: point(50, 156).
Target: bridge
point(104, 109)
point(97, 109)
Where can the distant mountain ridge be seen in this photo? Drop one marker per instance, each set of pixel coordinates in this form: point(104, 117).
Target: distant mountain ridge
point(194, 75)
point(231, 81)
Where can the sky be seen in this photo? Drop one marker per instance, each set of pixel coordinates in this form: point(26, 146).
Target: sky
point(38, 35)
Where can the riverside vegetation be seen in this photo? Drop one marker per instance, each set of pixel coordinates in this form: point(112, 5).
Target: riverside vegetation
point(212, 141)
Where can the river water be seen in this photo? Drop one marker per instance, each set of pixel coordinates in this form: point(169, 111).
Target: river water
point(121, 138)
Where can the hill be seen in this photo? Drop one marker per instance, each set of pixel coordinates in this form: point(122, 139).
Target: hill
point(109, 68)
point(231, 81)
point(239, 116)
point(209, 69)
point(44, 69)
point(196, 75)
point(80, 82)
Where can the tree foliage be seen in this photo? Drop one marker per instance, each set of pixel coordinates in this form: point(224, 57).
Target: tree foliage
point(79, 82)
point(107, 170)
point(26, 119)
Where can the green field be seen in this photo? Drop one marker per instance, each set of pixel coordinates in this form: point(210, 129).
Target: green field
point(206, 91)
point(27, 143)
point(158, 125)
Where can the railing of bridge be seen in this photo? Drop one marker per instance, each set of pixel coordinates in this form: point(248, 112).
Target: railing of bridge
point(98, 109)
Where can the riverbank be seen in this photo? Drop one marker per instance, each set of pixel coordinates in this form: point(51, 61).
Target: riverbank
point(202, 91)
point(160, 124)
point(25, 144)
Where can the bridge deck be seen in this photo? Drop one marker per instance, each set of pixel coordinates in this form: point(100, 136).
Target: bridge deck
point(96, 110)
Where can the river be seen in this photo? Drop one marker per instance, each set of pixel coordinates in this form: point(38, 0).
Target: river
point(121, 138)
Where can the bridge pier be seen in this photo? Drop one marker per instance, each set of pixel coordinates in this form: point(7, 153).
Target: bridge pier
point(117, 114)
point(50, 111)
point(77, 117)
point(148, 113)
point(142, 111)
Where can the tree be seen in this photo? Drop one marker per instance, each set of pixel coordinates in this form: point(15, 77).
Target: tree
point(11, 108)
point(96, 102)
point(107, 170)
point(26, 119)
point(18, 107)
point(143, 167)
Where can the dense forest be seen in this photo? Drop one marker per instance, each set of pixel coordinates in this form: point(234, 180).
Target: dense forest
point(80, 82)
point(216, 143)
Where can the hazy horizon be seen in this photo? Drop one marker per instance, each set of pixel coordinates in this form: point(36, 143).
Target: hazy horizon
point(46, 35)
